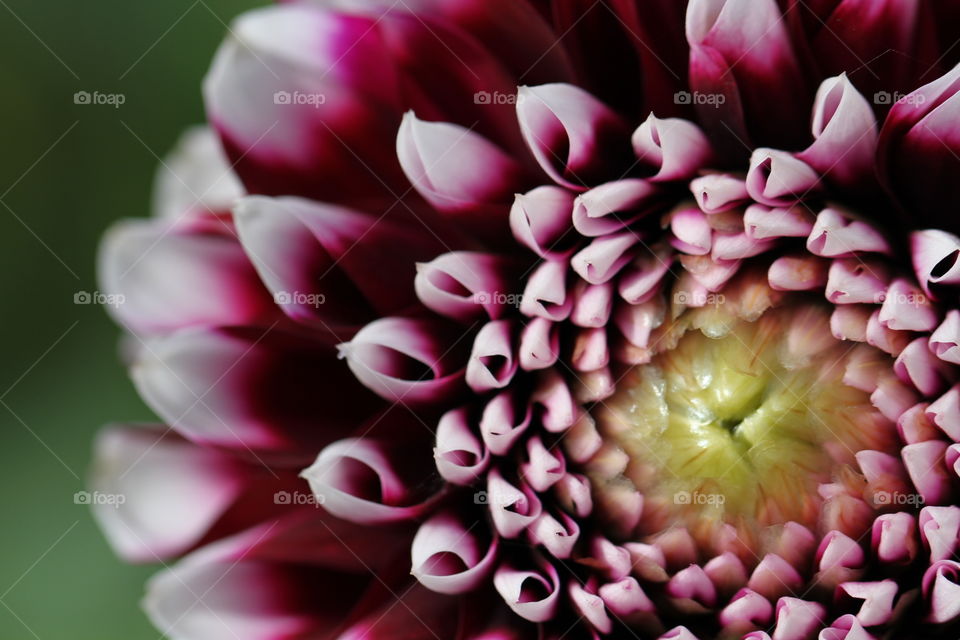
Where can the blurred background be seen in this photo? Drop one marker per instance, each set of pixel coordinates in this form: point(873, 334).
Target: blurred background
point(66, 172)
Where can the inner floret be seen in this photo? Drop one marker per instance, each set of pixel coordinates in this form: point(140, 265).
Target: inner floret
point(741, 420)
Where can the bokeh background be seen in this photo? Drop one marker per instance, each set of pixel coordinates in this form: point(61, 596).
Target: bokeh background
point(66, 172)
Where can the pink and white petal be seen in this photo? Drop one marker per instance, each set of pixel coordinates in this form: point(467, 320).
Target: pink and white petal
point(449, 557)
point(673, 148)
point(460, 455)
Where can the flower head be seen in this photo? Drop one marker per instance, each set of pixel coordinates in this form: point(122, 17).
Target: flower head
point(493, 343)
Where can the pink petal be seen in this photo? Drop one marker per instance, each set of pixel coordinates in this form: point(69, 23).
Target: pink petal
point(673, 148)
point(838, 235)
point(466, 285)
point(460, 455)
point(609, 207)
point(448, 557)
point(777, 178)
point(491, 364)
point(541, 220)
point(532, 594)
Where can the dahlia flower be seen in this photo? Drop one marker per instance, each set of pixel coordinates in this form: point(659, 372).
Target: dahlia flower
point(472, 320)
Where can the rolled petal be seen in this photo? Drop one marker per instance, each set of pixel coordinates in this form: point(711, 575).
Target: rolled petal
point(777, 178)
point(945, 340)
point(797, 619)
point(940, 531)
point(533, 594)
point(465, 285)
point(541, 220)
point(448, 557)
point(673, 148)
point(941, 589)
point(575, 138)
point(440, 160)
point(936, 258)
point(367, 481)
point(405, 360)
point(492, 364)
point(512, 509)
point(878, 597)
point(837, 235)
point(460, 454)
point(611, 206)
point(718, 192)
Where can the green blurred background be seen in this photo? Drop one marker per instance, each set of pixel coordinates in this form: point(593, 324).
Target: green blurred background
point(66, 172)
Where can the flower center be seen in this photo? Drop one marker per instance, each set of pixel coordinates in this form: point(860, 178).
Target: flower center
point(740, 421)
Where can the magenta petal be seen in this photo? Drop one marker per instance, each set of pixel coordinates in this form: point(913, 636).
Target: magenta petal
point(448, 557)
point(590, 607)
point(611, 206)
point(195, 180)
point(512, 509)
point(672, 147)
point(465, 285)
point(164, 277)
point(363, 481)
point(440, 160)
point(777, 178)
point(405, 360)
point(491, 364)
point(936, 257)
point(945, 340)
point(878, 597)
point(940, 531)
point(546, 293)
point(747, 607)
point(845, 627)
point(845, 135)
point(574, 136)
point(541, 220)
point(941, 589)
point(329, 265)
point(149, 520)
point(837, 235)
point(918, 366)
point(797, 619)
point(222, 387)
point(460, 455)
point(718, 192)
point(532, 594)
point(603, 258)
point(503, 422)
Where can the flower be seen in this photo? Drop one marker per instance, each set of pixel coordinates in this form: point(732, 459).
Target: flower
point(546, 320)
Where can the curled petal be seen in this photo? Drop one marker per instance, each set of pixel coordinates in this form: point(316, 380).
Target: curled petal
point(366, 481)
point(541, 219)
point(894, 538)
point(592, 305)
point(845, 627)
point(693, 583)
point(532, 594)
point(945, 340)
point(936, 257)
point(692, 233)
point(777, 178)
point(404, 359)
point(639, 280)
point(609, 207)
point(672, 147)
point(761, 222)
point(845, 135)
point(558, 534)
point(718, 192)
point(574, 137)
point(539, 344)
point(918, 366)
point(837, 235)
point(544, 467)
point(491, 364)
point(512, 509)
point(940, 531)
point(854, 281)
point(465, 285)
point(906, 308)
point(878, 597)
point(941, 589)
point(945, 413)
point(590, 606)
point(460, 455)
point(603, 258)
point(448, 557)
point(554, 402)
point(797, 619)
point(747, 607)
point(503, 421)
point(774, 576)
point(625, 598)
point(799, 273)
point(546, 293)
point(924, 462)
point(440, 160)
